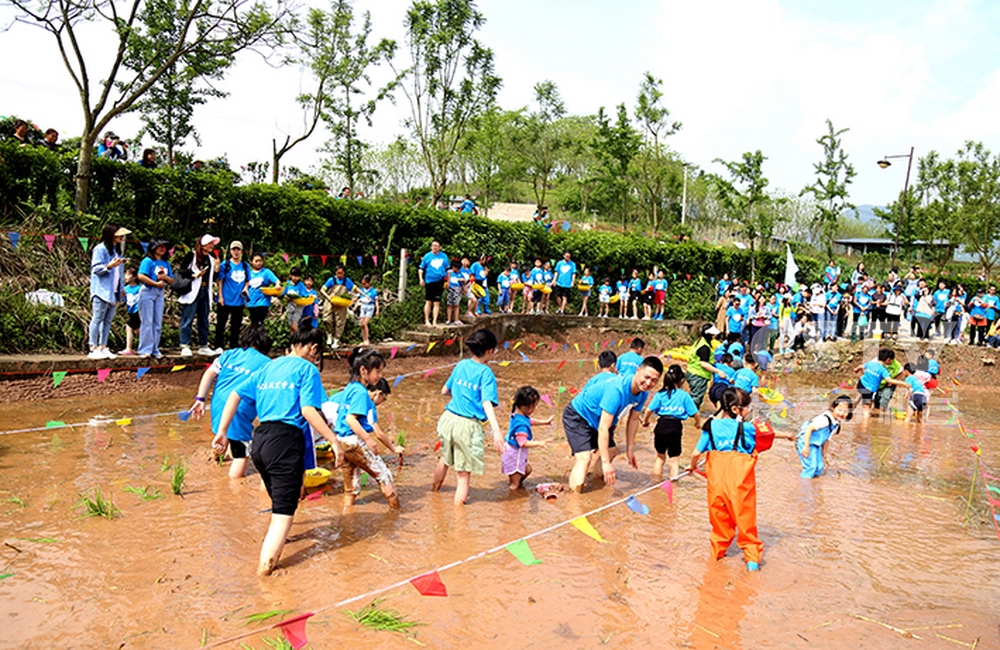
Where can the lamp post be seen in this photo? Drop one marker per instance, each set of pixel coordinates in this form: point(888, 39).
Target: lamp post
point(884, 163)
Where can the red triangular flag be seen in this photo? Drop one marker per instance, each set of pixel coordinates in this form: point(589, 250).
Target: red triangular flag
point(561, 364)
point(322, 259)
point(449, 341)
point(49, 240)
point(437, 445)
point(102, 374)
point(429, 584)
point(534, 346)
point(573, 391)
point(294, 630)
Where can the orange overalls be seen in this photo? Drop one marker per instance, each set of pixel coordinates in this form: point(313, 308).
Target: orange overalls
point(732, 499)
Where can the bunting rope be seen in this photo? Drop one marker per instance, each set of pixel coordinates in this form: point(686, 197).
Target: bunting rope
point(452, 565)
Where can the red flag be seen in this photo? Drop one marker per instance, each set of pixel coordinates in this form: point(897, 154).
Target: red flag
point(429, 584)
point(573, 391)
point(449, 341)
point(561, 364)
point(437, 446)
point(322, 260)
point(534, 346)
point(294, 630)
point(102, 374)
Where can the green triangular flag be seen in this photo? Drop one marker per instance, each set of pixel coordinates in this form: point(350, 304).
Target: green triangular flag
point(84, 241)
point(595, 345)
point(305, 260)
point(562, 389)
point(520, 550)
point(391, 260)
point(57, 378)
point(580, 364)
point(51, 424)
point(364, 480)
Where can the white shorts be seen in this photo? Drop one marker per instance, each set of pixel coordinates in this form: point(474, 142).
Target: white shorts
point(367, 311)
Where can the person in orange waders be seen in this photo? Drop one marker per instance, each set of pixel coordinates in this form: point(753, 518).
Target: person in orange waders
point(731, 444)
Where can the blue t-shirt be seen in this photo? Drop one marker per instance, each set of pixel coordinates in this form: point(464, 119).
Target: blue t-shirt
point(356, 401)
point(977, 307)
point(471, 383)
point(368, 296)
point(333, 281)
point(660, 284)
point(297, 289)
point(862, 301)
point(677, 404)
point(734, 319)
point(605, 290)
point(833, 301)
point(536, 275)
point(587, 280)
point(309, 311)
point(875, 372)
point(149, 266)
point(468, 206)
point(259, 279)
point(434, 266)
point(635, 286)
point(736, 350)
point(519, 423)
point(479, 273)
point(613, 395)
point(566, 271)
point(724, 431)
point(746, 379)
point(132, 297)
point(547, 276)
point(622, 288)
point(233, 278)
point(992, 304)
point(233, 368)
point(279, 389)
point(933, 368)
point(730, 374)
point(941, 299)
point(628, 363)
point(915, 385)
point(722, 286)
point(503, 280)
point(824, 427)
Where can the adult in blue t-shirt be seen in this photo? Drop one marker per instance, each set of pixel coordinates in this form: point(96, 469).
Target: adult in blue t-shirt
point(287, 394)
point(432, 272)
point(154, 275)
point(875, 372)
point(589, 419)
point(565, 276)
point(228, 372)
point(234, 274)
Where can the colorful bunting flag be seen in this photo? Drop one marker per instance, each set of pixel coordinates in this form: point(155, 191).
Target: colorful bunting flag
point(124, 422)
point(57, 378)
point(183, 416)
point(506, 344)
point(429, 584)
point(553, 348)
point(524, 356)
point(14, 238)
point(503, 363)
point(178, 368)
point(52, 424)
point(360, 260)
point(85, 241)
point(668, 487)
point(430, 346)
point(562, 389)
point(635, 506)
point(583, 525)
point(322, 260)
point(343, 259)
point(140, 372)
point(392, 353)
point(294, 630)
point(517, 345)
point(305, 260)
point(449, 341)
point(522, 552)
point(398, 379)
point(284, 256)
point(375, 260)
point(49, 241)
point(545, 398)
point(411, 347)
point(534, 346)
point(102, 374)
point(429, 372)
point(561, 364)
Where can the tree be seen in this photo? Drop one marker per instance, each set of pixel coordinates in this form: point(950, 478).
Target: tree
point(579, 159)
point(542, 141)
point(616, 145)
point(167, 109)
point(489, 153)
point(833, 175)
point(222, 28)
point(654, 118)
point(977, 181)
point(451, 79)
point(746, 201)
point(398, 167)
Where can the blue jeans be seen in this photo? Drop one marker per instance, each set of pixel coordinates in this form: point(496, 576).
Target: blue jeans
point(831, 325)
point(198, 308)
point(151, 316)
point(100, 322)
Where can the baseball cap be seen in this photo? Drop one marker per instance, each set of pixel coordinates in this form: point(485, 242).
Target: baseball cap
point(236, 244)
point(208, 239)
point(713, 330)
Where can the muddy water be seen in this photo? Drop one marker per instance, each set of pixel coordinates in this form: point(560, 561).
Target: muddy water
point(880, 536)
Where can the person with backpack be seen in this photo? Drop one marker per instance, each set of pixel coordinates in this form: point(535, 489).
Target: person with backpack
point(232, 285)
point(194, 292)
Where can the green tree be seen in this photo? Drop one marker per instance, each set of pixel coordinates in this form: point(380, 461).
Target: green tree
point(451, 79)
point(399, 168)
point(656, 125)
point(579, 158)
point(746, 200)
point(167, 109)
point(833, 175)
point(616, 144)
point(542, 141)
point(490, 152)
point(223, 27)
point(977, 180)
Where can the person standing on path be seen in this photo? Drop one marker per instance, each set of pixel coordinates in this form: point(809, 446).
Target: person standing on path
point(565, 281)
point(107, 288)
point(197, 301)
point(334, 317)
point(154, 275)
point(232, 285)
point(432, 271)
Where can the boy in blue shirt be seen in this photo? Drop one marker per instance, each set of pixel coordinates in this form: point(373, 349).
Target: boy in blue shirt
point(231, 283)
point(746, 377)
point(480, 274)
point(918, 395)
point(629, 362)
point(875, 372)
point(132, 288)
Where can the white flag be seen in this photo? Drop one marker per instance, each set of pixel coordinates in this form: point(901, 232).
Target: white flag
point(791, 268)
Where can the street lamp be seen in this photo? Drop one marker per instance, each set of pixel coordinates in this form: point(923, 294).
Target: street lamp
point(884, 164)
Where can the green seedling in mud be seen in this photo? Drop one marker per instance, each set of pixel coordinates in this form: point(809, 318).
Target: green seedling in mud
point(96, 504)
point(39, 540)
point(166, 464)
point(16, 500)
point(146, 493)
point(280, 643)
point(378, 618)
point(4, 576)
point(401, 438)
point(260, 617)
point(177, 478)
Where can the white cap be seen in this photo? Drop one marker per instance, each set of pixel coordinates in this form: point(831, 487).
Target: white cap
point(208, 239)
point(713, 330)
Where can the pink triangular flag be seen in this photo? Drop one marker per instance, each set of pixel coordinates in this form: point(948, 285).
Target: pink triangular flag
point(284, 256)
point(668, 487)
point(392, 353)
point(294, 630)
point(553, 348)
point(102, 374)
point(428, 373)
point(375, 260)
point(429, 584)
point(49, 240)
point(545, 398)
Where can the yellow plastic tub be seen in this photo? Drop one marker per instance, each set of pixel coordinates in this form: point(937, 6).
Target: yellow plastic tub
point(303, 301)
point(340, 301)
point(317, 477)
point(271, 291)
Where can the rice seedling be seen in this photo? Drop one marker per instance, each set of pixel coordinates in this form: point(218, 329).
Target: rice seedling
point(401, 438)
point(95, 504)
point(177, 478)
point(145, 493)
point(378, 618)
point(260, 617)
point(165, 465)
point(279, 643)
point(4, 576)
point(39, 540)
point(16, 500)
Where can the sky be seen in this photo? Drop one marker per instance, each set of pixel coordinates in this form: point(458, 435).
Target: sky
point(740, 75)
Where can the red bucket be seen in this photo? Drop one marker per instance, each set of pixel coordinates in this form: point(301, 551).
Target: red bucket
point(765, 434)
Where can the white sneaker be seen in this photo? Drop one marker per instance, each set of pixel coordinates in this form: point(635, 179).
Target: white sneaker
point(206, 351)
point(185, 351)
point(95, 354)
point(336, 343)
point(108, 354)
point(217, 351)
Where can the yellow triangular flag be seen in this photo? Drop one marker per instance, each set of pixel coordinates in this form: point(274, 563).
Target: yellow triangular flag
point(595, 364)
point(577, 346)
point(517, 345)
point(620, 342)
point(784, 413)
point(176, 368)
point(583, 525)
point(431, 345)
point(503, 363)
point(124, 422)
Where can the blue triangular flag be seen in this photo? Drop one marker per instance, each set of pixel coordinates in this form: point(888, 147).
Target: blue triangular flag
point(183, 415)
point(634, 505)
point(506, 344)
point(524, 356)
point(14, 238)
point(360, 263)
point(398, 379)
point(140, 372)
point(145, 246)
point(411, 347)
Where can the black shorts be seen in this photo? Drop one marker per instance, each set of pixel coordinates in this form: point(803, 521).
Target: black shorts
point(561, 292)
point(433, 290)
point(867, 396)
point(536, 295)
point(667, 436)
point(918, 401)
point(715, 391)
point(647, 298)
point(237, 448)
point(278, 452)
point(580, 435)
point(133, 321)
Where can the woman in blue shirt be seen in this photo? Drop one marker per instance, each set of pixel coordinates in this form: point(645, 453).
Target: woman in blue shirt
point(473, 390)
point(287, 394)
point(259, 304)
point(107, 288)
point(154, 275)
point(234, 276)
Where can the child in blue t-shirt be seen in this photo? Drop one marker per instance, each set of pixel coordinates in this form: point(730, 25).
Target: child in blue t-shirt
point(132, 288)
point(455, 281)
point(814, 435)
point(673, 405)
point(721, 381)
point(473, 390)
point(294, 289)
point(604, 298)
point(514, 461)
point(586, 281)
point(746, 377)
point(918, 394)
point(309, 311)
point(369, 306)
point(875, 372)
point(622, 288)
point(503, 291)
